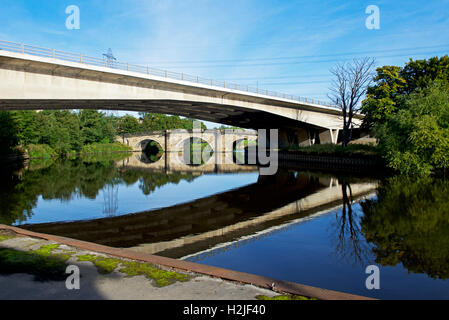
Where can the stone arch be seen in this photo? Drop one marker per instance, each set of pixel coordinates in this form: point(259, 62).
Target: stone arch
point(204, 154)
point(144, 143)
point(232, 138)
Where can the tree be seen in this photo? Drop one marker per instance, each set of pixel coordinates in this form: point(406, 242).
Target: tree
point(415, 140)
point(8, 132)
point(130, 124)
point(95, 127)
point(157, 122)
point(348, 87)
point(381, 101)
point(392, 83)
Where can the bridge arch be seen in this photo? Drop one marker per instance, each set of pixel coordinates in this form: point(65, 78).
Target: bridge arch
point(197, 151)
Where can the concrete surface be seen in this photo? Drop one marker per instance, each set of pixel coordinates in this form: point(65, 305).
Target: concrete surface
point(115, 285)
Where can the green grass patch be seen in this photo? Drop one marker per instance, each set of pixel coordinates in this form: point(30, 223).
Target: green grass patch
point(6, 234)
point(159, 276)
point(284, 297)
point(104, 265)
point(104, 148)
point(3, 237)
point(42, 263)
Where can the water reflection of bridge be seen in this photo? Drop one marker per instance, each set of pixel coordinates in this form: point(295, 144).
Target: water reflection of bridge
point(198, 225)
point(174, 162)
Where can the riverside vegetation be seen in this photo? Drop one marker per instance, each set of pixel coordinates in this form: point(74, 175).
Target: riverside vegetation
point(67, 133)
point(407, 110)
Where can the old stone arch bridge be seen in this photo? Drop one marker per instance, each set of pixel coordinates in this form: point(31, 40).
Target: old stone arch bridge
point(174, 140)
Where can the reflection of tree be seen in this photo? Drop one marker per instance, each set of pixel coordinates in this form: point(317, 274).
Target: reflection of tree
point(67, 179)
point(16, 203)
point(149, 183)
point(110, 200)
point(409, 223)
point(350, 242)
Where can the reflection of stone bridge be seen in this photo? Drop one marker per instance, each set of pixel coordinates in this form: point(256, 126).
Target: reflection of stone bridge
point(175, 140)
point(171, 162)
point(198, 225)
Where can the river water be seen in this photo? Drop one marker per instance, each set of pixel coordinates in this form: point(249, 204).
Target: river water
point(313, 228)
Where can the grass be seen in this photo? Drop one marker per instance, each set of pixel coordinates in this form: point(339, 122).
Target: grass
point(6, 235)
point(46, 264)
point(335, 149)
point(3, 237)
point(104, 148)
point(284, 297)
point(42, 263)
point(159, 276)
point(104, 265)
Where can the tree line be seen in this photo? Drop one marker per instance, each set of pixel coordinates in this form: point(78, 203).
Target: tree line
point(68, 131)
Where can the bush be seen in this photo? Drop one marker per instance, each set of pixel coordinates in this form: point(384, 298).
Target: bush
point(415, 141)
point(43, 151)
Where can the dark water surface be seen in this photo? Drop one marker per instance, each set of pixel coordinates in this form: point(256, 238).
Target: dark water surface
point(307, 227)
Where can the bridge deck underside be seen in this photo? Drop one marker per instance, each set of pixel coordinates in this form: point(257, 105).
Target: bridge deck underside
point(228, 115)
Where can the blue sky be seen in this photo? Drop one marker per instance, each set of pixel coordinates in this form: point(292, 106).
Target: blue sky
point(285, 46)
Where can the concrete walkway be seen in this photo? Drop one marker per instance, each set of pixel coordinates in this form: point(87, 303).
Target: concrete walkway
point(113, 273)
point(114, 285)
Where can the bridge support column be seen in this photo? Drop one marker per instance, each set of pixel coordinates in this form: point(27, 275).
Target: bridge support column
point(305, 138)
point(286, 138)
point(296, 137)
point(328, 136)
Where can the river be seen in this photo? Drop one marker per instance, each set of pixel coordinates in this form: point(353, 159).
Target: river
point(313, 228)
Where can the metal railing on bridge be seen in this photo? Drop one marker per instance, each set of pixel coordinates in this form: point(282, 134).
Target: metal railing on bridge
point(103, 62)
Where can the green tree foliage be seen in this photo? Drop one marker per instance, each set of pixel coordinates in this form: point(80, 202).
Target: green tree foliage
point(67, 132)
point(96, 127)
point(391, 83)
point(8, 132)
point(157, 122)
point(415, 140)
point(408, 224)
point(381, 98)
point(129, 124)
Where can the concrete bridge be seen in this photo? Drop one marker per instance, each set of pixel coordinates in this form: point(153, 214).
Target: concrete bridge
point(39, 78)
point(175, 140)
point(201, 224)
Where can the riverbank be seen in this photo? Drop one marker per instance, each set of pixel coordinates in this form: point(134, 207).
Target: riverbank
point(355, 158)
point(43, 151)
point(113, 273)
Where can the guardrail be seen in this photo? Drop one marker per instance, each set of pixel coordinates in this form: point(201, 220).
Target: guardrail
point(75, 57)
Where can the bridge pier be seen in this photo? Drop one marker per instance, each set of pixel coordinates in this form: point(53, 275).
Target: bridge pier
point(328, 136)
point(305, 137)
point(302, 137)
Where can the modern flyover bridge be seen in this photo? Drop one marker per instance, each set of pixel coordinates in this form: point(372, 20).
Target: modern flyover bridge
point(39, 78)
